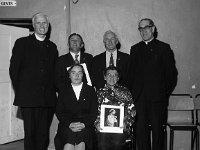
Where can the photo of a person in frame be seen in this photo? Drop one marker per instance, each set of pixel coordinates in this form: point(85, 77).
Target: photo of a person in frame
point(112, 118)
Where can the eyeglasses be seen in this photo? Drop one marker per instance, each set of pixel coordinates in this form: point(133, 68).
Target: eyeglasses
point(144, 28)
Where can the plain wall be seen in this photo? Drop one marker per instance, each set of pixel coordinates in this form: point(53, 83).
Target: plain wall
point(177, 22)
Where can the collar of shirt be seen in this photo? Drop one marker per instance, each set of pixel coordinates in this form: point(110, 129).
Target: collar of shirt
point(108, 54)
point(77, 90)
point(39, 38)
point(73, 55)
point(146, 42)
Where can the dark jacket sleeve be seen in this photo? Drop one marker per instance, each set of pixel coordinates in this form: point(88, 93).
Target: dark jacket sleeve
point(59, 74)
point(130, 71)
point(88, 60)
point(171, 72)
point(15, 62)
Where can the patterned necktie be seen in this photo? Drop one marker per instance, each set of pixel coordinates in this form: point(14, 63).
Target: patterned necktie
point(111, 63)
point(76, 59)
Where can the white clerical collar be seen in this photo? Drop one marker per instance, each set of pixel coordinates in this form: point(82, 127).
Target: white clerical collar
point(146, 42)
point(39, 38)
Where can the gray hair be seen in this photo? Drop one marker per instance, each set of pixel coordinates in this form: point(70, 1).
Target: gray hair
point(39, 14)
point(109, 31)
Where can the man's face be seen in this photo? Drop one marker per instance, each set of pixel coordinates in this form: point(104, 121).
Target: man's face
point(110, 42)
point(75, 44)
point(146, 30)
point(41, 25)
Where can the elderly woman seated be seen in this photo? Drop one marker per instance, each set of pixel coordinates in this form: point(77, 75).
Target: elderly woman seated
point(115, 95)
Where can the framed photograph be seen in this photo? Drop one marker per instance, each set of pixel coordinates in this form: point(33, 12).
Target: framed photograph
point(111, 119)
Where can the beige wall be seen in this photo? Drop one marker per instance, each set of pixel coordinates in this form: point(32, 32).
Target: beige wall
point(177, 22)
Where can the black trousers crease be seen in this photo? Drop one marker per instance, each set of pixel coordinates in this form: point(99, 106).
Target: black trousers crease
point(37, 121)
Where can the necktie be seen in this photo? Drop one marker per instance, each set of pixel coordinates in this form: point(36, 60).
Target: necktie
point(111, 63)
point(76, 59)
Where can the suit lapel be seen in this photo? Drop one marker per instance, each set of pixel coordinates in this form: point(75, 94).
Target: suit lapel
point(104, 59)
point(82, 57)
point(69, 61)
point(82, 93)
point(118, 59)
point(73, 95)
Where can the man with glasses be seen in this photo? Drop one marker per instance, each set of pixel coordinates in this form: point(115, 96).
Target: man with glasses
point(152, 78)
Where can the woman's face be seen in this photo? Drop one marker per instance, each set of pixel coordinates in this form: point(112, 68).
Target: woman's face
point(111, 77)
point(76, 75)
point(113, 112)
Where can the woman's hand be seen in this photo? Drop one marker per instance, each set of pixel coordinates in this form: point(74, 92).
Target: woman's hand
point(98, 127)
point(76, 126)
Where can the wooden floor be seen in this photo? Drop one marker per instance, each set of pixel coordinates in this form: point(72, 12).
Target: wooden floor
point(17, 145)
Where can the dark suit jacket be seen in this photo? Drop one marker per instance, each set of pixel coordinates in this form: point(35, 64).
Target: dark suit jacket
point(31, 70)
point(99, 65)
point(64, 61)
point(70, 110)
point(152, 71)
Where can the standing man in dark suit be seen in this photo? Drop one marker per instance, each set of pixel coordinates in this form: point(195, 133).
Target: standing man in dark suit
point(31, 69)
point(111, 57)
point(153, 77)
point(76, 55)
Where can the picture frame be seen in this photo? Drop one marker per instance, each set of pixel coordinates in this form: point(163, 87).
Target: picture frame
point(111, 119)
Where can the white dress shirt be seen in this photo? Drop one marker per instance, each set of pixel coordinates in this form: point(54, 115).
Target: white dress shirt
point(108, 54)
point(73, 55)
point(77, 90)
